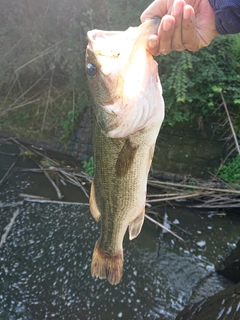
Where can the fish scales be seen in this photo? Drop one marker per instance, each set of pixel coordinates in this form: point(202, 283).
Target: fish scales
point(118, 195)
point(127, 115)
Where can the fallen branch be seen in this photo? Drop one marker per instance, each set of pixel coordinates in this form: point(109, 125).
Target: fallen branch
point(72, 179)
point(31, 196)
point(171, 223)
point(227, 206)
point(33, 149)
point(59, 194)
point(163, 195)
point(45, 200)
point(157, 182)
point(162, 226)
point(12, 204)
point(9, 227)
point(9, 154)
point(175, 198)
point(7, 173)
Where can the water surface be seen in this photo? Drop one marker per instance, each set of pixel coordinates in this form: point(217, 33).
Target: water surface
point(45, 260)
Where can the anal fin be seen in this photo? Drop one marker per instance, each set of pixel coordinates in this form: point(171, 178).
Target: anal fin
point(136, 226)
point(93, 203)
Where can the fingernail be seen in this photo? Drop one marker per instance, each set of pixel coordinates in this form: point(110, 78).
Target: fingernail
point(167, 24)
point(187, 13)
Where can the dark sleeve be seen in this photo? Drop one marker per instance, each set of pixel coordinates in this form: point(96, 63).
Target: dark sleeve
point(227, 15)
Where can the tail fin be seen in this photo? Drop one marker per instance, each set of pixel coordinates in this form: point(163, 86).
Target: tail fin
point(105, 266)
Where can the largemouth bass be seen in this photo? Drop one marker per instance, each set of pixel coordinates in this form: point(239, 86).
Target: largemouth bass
point(128, 110)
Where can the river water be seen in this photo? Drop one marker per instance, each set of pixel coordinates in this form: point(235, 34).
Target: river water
point(45, 259)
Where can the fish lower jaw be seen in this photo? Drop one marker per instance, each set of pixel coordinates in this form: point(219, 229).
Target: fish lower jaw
point(105, 266)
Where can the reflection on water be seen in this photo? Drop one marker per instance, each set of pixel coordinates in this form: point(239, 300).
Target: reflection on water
point(45, 261)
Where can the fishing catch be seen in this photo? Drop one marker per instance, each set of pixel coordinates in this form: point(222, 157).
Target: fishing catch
point(128, 110)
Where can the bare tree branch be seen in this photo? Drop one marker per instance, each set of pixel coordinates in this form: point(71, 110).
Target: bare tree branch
point(230, 122)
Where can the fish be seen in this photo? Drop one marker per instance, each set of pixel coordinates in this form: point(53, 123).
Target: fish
point(127, 111)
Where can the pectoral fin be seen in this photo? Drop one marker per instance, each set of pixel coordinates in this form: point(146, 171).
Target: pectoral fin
point(93, 203)
point(136, 226)
point(126, 157)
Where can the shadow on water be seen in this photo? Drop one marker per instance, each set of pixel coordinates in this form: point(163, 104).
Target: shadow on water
point(45, 260)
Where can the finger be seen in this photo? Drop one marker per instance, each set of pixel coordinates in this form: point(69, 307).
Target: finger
point(162, 43)
point(165, 34)
point(155, 9)
point(177, 13)
point(153, 45)
point(189, 32)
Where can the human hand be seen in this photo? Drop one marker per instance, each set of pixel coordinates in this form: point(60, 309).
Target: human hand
point(188, 24)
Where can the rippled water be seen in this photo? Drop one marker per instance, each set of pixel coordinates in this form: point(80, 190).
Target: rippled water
point(45, 260)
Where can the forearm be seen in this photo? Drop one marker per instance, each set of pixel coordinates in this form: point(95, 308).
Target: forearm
point(227, 15)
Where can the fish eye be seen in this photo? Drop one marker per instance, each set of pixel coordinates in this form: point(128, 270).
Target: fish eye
point(91, 70)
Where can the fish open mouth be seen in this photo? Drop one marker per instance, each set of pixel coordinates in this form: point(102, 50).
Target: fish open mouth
point(125, 72)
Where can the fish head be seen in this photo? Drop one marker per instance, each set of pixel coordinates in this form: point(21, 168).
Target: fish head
point(123, 79)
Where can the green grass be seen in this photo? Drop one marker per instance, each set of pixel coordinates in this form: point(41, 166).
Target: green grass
point(231, 171)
